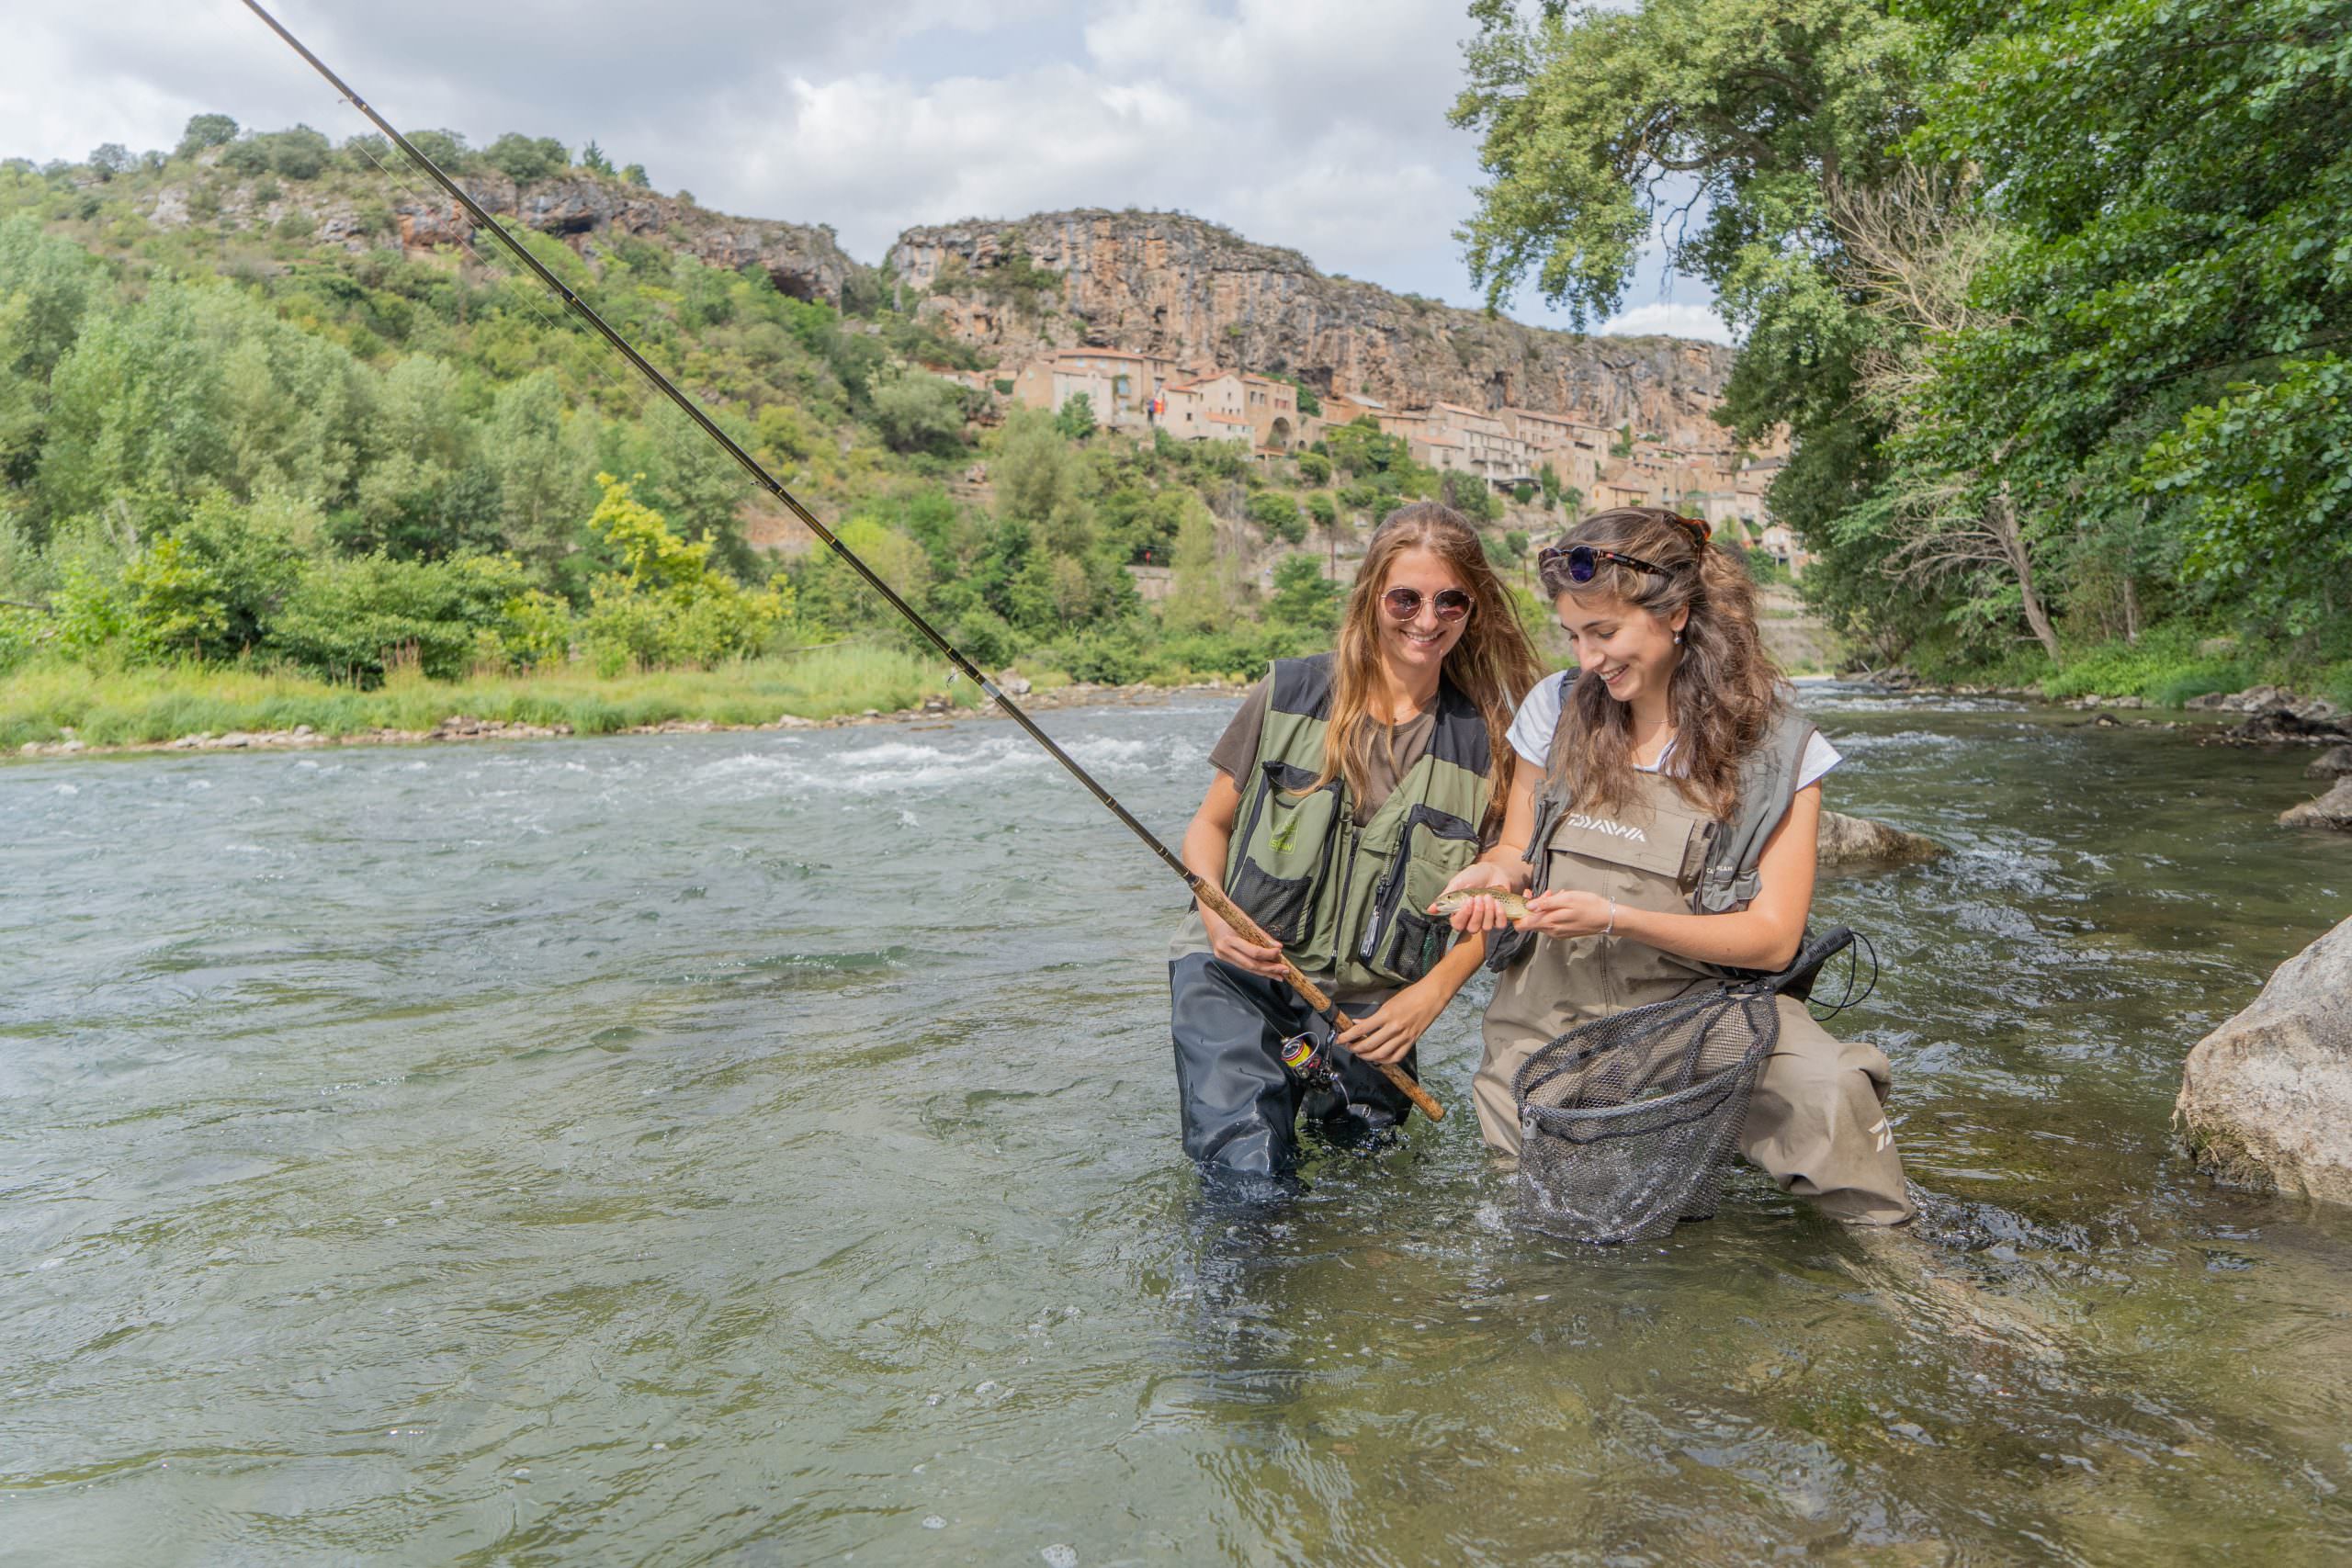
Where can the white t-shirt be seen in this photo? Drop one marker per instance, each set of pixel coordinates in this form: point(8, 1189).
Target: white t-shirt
point(1531, 732)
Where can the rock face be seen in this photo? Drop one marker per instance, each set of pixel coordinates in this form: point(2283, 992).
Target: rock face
point(2267, 1096)
point(1859, 842)
point(804, 262)
point(2333, 809)
point(1167, 284)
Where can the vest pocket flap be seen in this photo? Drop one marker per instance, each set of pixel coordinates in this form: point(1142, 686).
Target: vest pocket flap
point(1279, 904)
point(1662, 845)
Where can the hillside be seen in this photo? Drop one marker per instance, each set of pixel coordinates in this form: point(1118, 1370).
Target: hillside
point(1173, 286)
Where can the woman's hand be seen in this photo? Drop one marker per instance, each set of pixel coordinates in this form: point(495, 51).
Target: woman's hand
point(1231, 946)
point(1485, 914)
point(1402, 1019)
point(1569, 914)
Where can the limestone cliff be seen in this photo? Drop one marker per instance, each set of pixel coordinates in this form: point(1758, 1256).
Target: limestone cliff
point(1165, 284)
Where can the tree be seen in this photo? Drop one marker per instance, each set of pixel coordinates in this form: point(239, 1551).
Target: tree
point(526, 158)
point(2159, 341)
point(1075, 419)
point(593, 159)
point(918, 413)
point(634, 175)
point(1278, 515)
point(1035, 471)
point(109, 159)
point(206, 131)
point(1303, 598)
point(1199, 597)
point(1599, 125)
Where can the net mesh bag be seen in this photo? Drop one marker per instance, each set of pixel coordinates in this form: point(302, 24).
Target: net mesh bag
point(1627, 1123)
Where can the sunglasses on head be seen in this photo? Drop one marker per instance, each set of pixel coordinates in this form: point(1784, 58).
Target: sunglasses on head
point(1446, 604)
point(1584, 561)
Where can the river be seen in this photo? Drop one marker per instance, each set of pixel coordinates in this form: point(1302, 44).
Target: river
point(762, 1148)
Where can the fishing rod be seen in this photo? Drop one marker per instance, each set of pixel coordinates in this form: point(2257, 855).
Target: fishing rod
point(1205, 891)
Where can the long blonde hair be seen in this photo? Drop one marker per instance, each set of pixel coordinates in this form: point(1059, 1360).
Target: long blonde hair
point(1725, 690)
point(1494, 664)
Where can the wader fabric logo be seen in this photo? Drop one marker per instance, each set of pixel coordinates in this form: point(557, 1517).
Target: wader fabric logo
point(1602, 825)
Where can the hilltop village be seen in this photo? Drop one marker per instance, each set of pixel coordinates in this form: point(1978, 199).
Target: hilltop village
point(1142, 396)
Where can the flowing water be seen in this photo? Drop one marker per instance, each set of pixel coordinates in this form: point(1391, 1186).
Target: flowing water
point(762, 1148)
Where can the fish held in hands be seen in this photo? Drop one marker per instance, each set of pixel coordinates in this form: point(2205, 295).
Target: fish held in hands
point(1514, 904)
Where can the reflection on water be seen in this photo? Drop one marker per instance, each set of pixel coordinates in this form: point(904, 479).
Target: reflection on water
point(761, 1147)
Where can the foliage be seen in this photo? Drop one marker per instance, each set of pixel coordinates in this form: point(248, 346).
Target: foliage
point(1075, 417)
point(206, 131)
point(351, 618)
point(1304, 597)
point(916, 413)
point(667, 606)
point(1278, 515)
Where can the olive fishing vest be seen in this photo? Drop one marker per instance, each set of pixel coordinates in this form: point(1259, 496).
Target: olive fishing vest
point(1347, 901)
point(1722, 877)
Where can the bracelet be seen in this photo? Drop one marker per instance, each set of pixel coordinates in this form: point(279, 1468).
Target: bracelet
point(1612, 926)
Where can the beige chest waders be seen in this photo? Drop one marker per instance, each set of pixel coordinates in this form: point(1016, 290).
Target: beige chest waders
point(1816, 1123)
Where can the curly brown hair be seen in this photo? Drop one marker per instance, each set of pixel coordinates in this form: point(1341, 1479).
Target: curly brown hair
point(1724, 692)
point(1494, 664)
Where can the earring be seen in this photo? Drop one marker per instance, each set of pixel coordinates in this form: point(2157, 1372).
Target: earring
point(1678, 639)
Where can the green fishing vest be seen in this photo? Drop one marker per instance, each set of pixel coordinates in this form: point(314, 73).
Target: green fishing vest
point(1345, 901)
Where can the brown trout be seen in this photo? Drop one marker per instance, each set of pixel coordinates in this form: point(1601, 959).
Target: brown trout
point(1514, 906)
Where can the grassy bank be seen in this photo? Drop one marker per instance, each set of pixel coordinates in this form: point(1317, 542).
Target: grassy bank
point(43, 702)
point(2167, 667)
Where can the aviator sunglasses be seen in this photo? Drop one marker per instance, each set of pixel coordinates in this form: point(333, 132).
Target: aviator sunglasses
point(1448, 604)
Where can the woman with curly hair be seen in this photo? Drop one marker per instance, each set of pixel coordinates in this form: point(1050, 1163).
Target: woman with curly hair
point(1350, 788)
point(1665, 826)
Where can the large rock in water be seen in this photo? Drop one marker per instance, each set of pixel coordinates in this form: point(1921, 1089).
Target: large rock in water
point(1857, 840)
point(2333, 809)
point(2267, 1099)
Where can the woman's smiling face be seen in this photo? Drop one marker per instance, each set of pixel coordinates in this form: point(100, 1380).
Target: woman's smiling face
point(1631, 650)
point(1421, 641)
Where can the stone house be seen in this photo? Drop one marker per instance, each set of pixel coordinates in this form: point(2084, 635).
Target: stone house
point(1120, 386)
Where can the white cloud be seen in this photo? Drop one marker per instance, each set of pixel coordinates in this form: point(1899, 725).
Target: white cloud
point(1670, 319)
point(1317, 124)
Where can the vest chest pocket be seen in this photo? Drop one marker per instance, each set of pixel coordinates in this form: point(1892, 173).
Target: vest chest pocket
point(1282, 848)
point(1668, 844)
point(1400, 938)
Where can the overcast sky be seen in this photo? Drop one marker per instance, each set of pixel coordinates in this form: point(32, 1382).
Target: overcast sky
point(1319, 124)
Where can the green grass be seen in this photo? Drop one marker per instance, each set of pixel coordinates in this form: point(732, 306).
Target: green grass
point(42, 702)
point(2164, 666)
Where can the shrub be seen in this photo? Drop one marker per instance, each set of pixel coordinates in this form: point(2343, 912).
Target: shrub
point(526, 158)
point(669, 606)
point(206, 131)
point(1278, 515)
point(920, 413)
point(1322, 508)
point(1314, 467)
point(348, 619)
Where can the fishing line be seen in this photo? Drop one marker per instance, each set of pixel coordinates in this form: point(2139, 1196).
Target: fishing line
point(1860, 945)
point(1207, 893)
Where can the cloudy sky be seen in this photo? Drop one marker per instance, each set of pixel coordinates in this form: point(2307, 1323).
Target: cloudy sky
point(1319, 124)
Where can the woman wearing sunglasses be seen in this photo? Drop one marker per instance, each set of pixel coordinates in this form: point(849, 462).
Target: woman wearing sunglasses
point(1349, 790)
point(1665, 825)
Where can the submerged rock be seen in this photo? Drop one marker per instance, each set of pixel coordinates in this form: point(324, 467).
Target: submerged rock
point(1857, 840)
point(2333, 809)
point(2267, 1099)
